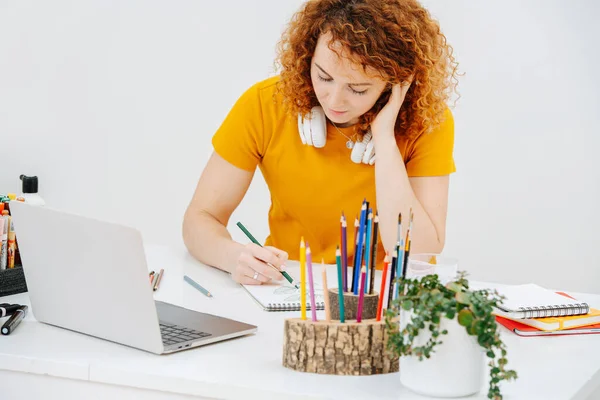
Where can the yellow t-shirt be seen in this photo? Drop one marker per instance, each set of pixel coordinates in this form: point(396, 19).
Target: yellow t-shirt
point(311, 187)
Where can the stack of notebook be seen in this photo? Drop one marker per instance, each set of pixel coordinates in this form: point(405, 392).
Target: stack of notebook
point(531, 310)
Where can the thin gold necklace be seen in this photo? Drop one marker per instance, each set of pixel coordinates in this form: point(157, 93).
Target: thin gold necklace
point(349, 142)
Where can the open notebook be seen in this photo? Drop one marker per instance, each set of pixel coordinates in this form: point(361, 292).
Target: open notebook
point(282, 296)
point(533, 301)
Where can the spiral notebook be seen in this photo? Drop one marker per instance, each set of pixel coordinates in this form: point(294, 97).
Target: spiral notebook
point(282, 296)
point(533, 301)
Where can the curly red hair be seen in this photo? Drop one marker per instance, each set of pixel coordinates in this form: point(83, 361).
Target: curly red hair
point(397, 38)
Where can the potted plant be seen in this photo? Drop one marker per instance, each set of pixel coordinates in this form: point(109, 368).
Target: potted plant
point(443, 334)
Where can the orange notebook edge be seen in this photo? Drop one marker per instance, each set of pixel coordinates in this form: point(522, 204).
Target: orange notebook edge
point(526, 330)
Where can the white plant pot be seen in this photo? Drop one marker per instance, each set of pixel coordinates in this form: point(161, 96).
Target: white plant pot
point(455, 368)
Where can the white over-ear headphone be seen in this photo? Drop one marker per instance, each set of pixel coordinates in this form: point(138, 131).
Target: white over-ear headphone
point(313, 132)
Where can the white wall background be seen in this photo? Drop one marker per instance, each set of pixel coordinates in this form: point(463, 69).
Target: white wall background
point(113, 104)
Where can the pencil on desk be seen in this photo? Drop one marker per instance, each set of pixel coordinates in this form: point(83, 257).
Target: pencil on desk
point(249, 235)
point(151, 277)
point(197, 286)
point(154, 278)
point(158, 279)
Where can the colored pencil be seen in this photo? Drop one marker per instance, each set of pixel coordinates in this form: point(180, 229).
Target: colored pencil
point(302, 279)
point(197, 286)
point(153, 283)
point(356, 224)
point(374, 252)
point(392, 277)
point(249, 235)
point(368, 244)
point(160, 274)
point(399, 236)
point(383, 284)
point(344, 252)
point(340, 288)
point(361, 234)
point(361, 295)
point(325, 291)
point(151, 276)
point(399, 263)
point(407, 246)
point(311, 285)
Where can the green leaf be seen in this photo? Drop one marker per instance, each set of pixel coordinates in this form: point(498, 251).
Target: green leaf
point(463, 298)
point(465, 317)
point(407, 305)
point(455, 287)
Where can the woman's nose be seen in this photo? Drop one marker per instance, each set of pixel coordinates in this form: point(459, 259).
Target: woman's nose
point(336, 98)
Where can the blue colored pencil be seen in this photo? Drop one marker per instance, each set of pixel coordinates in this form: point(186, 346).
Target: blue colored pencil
point(197, 286)
point(399, 263)
point(368, 245)
point(358, 258)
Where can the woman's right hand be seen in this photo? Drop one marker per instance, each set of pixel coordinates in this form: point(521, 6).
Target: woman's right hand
point(252, 269)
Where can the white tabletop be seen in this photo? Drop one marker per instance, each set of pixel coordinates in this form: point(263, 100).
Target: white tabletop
point(562, 367)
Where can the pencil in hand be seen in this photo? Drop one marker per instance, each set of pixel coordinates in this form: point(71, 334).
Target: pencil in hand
point(249, 236)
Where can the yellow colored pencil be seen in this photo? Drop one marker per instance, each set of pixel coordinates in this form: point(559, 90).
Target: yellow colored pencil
point(303, 278)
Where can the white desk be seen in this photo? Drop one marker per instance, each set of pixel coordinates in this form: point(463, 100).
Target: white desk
point(41, 361)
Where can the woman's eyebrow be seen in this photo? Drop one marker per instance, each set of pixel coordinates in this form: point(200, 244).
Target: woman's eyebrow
point(350, 84)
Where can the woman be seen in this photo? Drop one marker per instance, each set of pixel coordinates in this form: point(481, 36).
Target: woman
point(358, 112)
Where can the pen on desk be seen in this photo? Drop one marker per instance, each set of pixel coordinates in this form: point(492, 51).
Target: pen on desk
point(285, 274)
point(160, 274)
point(8, 309)
point(153, 282)
point(14, 320)
point(197, 286)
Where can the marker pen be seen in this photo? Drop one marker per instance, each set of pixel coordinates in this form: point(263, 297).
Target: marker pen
point(3, 241)
point(8, 309)
point(14, 320)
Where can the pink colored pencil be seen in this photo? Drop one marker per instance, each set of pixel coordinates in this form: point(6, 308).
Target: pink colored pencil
point(361, 292)
point(311, 286)
point(344, 252)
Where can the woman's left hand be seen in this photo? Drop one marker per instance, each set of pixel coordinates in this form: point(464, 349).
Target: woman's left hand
point(384, 122)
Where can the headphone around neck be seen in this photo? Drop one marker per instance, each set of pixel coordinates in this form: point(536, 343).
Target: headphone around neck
point(313, 132)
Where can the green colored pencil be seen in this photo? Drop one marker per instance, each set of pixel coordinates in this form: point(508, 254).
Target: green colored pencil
point(338, 261)
point(285, 274)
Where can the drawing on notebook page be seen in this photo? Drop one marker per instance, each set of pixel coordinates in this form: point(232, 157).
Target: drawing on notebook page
point(293, 294)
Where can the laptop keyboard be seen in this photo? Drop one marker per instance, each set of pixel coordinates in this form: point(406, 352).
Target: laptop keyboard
point(173, 334)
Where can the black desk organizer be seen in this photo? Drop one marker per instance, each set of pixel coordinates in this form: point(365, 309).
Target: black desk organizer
point(12, 281)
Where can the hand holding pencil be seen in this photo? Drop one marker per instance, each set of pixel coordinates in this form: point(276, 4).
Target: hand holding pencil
point(258, 264)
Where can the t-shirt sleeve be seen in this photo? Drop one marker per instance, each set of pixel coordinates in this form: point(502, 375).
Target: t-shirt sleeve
point(239, 139)
point(432, 153)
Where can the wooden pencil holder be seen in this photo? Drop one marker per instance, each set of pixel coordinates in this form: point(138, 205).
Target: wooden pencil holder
point(336, 348)
point(369, 310)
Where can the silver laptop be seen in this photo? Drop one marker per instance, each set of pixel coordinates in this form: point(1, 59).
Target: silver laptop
point(91, 277)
